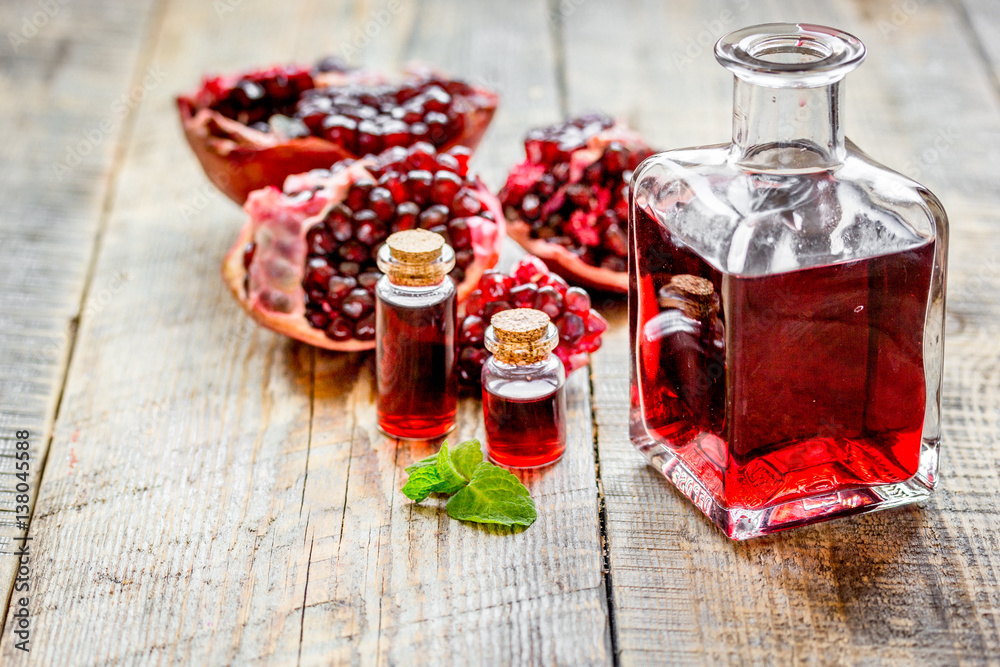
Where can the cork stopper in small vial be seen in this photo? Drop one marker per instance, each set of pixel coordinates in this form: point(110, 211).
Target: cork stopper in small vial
point(416, 258)
point(697, 294)
point(521, 336)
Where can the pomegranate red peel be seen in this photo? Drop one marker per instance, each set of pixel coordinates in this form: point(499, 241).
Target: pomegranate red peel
point(239, 159)
point(575, 177)
point(568, 265)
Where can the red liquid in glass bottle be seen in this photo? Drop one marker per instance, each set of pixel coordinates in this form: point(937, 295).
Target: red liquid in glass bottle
point(786, 304)
point(526, 432)
point(524, 398)
point(415, 321)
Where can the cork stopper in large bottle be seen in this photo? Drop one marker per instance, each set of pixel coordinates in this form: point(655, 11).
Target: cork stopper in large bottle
point(521, 336)
point(416, 258)
point(693, 294)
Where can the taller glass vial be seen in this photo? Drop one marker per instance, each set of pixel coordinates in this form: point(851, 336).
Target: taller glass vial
point(415, 322)
point(786, 303)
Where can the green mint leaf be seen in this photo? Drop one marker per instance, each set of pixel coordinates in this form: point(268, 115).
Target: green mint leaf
point(423, 463)
point(493, 495)
point(466, 456)
point(423, 482)
point(451, 479)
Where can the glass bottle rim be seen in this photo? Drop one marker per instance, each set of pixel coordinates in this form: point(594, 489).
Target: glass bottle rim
point(790, 55)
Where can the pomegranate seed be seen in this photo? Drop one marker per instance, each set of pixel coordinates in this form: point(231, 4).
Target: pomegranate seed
point(395, 133)
point(470, 363)
point(556, 281)
point(529, 269)
point(381, 203)
point(577, 301)
point(434, 216)
point(474, 303)
point(338, 221)
point(419, 131)
point(421, 182)
point(371, 139)
point(472, 330)
point(494, 307)
point(437, 127)
point(436, 99)
point(357, 197)
point(461, 155)
point(596, 325)
point(421, 156)
point(365, 328)
point(571, 328)
point(369, 279)
point(523, 296)
point(406, 216)
point(340, 328)
point(369, 233)
point(341, 130)
point(319, 240)
point(395, 183)
point(465, 204)
point(464, 257)
point(318, 274)
point(495, 286)
point(340, 286)
point(615, 240)
point(358, 303)
point(353, 251)
point(549, 301)
point(446, 186)
point(317, 319)
point(460, 234)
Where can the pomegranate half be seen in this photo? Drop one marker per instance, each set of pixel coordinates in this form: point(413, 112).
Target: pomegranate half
point(304, 262)
point(254, 129)
point(567, 203)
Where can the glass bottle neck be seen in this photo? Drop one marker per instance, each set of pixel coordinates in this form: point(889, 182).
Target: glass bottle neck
point(787, 130)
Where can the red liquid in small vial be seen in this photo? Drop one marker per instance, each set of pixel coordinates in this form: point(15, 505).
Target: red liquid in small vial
point(525, 432)
point(416, 369)
point(823, 376)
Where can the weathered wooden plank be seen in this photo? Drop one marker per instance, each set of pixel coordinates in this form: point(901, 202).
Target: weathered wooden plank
point(915, 586)
point(62, 65)
point(227, 498)
point(426, 578)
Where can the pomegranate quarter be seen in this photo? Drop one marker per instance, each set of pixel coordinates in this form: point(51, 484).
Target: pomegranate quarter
point(304, 263)
point(255, 129)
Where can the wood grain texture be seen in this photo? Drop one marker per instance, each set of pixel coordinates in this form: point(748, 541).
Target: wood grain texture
point(61, 69)
point(217, 494)
point(914, 586)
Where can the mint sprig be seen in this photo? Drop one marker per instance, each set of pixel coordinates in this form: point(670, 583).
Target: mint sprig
point(483, 492)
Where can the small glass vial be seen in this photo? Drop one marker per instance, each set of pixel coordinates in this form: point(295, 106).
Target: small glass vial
point(524, 400)
point(786, 303)
point(415, 323)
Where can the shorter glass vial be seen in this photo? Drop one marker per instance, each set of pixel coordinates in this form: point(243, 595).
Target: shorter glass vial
point(524, 398)
point(415, 323)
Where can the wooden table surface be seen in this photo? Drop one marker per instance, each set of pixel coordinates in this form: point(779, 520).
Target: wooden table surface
point(207, 492)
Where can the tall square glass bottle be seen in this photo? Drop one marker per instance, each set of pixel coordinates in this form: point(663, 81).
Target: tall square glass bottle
point(786, 303)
